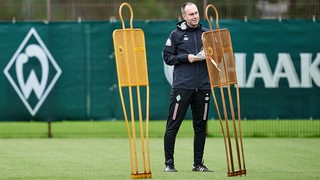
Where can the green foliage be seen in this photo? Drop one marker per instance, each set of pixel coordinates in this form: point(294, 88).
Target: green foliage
point(58, 10)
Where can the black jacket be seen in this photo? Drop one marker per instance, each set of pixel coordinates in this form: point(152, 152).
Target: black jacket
point(181, 42)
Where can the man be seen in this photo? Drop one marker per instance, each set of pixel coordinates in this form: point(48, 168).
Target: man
point(190, 86)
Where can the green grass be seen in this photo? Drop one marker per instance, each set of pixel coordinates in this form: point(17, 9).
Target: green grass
point(108, 158)
point(76, 129)
point(99, 150)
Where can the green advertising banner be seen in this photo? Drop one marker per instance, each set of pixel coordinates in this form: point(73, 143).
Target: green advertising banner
point(66, 70)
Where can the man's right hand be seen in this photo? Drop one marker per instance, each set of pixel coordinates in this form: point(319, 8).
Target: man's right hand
point(192, 58)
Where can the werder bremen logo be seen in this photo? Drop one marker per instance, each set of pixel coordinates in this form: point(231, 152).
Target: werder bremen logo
point(32, 71)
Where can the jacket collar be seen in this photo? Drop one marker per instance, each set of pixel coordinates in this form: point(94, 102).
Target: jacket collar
point(182, 25)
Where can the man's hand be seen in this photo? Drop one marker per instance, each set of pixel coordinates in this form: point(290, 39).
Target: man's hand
point(192, 58)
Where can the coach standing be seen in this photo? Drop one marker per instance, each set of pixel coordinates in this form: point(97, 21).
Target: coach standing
point(190, 86)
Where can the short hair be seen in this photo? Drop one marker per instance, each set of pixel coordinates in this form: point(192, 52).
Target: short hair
point(184, 6)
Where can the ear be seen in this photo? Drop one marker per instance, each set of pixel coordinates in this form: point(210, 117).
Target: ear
point(183, 16)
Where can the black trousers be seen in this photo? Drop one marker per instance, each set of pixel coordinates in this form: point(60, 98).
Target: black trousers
point(180, 100)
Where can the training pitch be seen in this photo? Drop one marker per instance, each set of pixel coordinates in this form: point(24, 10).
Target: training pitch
point(108, 158)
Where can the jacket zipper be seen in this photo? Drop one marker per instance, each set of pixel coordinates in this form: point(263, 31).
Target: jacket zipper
point(197, 64)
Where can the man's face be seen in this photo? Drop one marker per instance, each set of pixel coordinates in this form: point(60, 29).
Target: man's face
point(191, 15)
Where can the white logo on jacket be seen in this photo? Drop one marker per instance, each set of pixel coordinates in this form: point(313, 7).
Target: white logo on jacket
point(168, 43)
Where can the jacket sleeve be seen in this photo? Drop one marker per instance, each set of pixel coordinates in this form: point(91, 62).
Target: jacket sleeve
point(170, 55)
